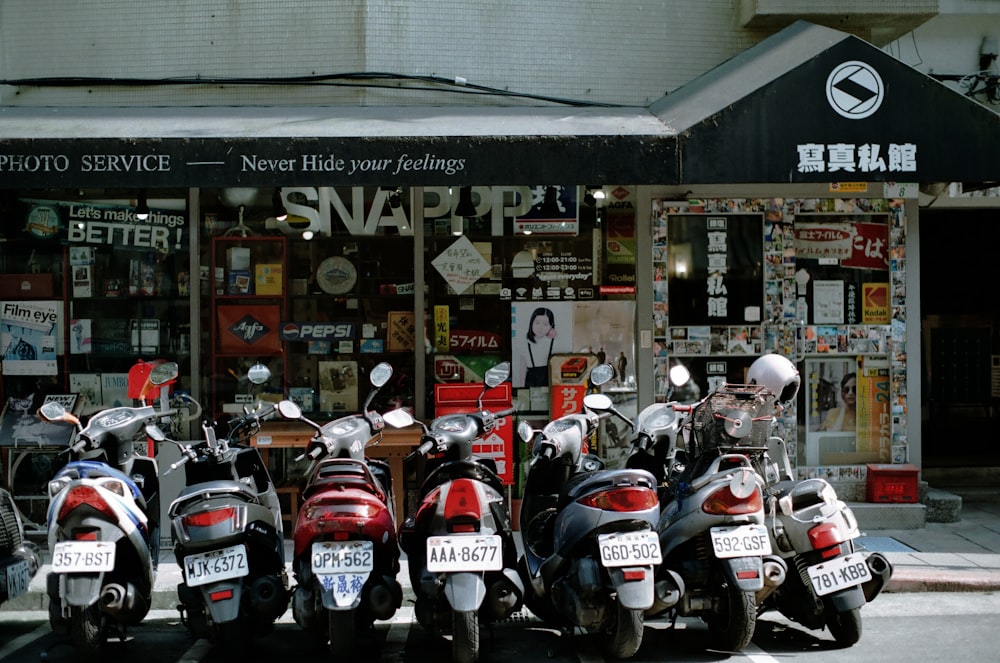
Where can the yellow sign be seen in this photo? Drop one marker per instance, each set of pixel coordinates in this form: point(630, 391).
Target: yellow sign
point(849, 187)
point(442, 329)
point(875, 303)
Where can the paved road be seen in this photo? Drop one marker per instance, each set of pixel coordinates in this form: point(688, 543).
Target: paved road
point(903, 627)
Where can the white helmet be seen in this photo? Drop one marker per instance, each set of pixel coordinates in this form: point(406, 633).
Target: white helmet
point(777, 374)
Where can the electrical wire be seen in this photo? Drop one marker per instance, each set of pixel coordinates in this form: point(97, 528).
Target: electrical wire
point(366, 79)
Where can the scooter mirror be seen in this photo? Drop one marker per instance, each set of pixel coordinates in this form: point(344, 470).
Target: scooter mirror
point(498, 374)
point(597, 402)
point(525, 431)
point(601, 374)
point(154, 432)
point(398, 418)
point(289, 410)
point(380, 374)
point(52, 411)
point(259, 373)
point(679, 375)
point(163, 373)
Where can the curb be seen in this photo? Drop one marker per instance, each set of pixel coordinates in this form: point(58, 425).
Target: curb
point(943, 580)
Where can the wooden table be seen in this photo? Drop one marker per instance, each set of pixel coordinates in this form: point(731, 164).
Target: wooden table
point(395, 445)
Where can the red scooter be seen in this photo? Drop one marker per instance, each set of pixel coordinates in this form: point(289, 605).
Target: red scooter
point(346, 557)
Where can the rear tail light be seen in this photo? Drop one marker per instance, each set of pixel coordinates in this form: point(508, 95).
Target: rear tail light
point(85, 535)
point(827, 538)
point(462, 508)
point(211, 517)
point(85, 495)
point(723, 503)
point(626, 498)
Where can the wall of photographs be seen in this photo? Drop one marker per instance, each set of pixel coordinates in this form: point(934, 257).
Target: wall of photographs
point(821, 281)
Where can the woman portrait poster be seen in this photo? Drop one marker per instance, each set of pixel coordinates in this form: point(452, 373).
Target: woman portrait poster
point(538, 330)
point(832, 396)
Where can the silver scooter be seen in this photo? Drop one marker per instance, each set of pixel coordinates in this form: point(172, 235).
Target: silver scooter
point(227, 532)
point(716, 549)
point(590, 543)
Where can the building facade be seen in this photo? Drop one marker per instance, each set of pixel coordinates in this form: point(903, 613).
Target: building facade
point(765, 185)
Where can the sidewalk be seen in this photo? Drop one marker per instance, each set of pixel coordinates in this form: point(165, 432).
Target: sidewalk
point(940, 557)
point(944, 557)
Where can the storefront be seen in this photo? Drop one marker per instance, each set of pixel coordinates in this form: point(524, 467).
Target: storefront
point(769, 205)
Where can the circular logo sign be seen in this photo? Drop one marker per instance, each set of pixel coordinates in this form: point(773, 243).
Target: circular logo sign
point(43, 221)
point(855, 90)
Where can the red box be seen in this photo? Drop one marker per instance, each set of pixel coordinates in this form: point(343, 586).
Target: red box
point(892, 483)
point(25, 286)
point(573, 368)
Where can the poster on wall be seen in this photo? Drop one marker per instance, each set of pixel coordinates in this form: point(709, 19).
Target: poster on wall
point(842, 268)
point(29, 332)
point(338, 386)
point(845, 400)
point(97, 224)
point(541, 333)
point(715, 268)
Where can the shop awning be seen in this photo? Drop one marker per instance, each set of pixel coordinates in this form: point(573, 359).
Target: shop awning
point(812, 104)
point(332, 146)
point(808, 105)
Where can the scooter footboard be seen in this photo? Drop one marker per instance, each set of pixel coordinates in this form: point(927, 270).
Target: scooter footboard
point(337, 595)
point(464, 591)
point(846, 599)
point(747, 573)
point(222, 599)
point(634, 586)
point(80, 589)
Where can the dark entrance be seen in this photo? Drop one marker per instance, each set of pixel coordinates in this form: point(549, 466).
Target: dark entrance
point(960, 338)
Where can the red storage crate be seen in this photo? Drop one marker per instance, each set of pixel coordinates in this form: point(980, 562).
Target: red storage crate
point(892, 483)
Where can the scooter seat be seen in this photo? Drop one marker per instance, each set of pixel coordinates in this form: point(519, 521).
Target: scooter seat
point(462, 469)
point(588, 482)
point(207, 488)
point(343, 473)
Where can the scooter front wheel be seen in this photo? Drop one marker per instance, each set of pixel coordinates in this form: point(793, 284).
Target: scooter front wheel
point(622, 635)
point(87, 633)
point(343, 639)
point(845, 627)
point(465, 636)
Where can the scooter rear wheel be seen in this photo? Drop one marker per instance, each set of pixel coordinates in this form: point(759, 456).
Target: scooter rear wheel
point(845, 627)
point(343, 638)
point(733, 626)
point(87, 633)
point(465, 636)
point(622, 635)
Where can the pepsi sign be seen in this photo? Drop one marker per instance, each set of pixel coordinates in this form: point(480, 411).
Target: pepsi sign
point(317, 331)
